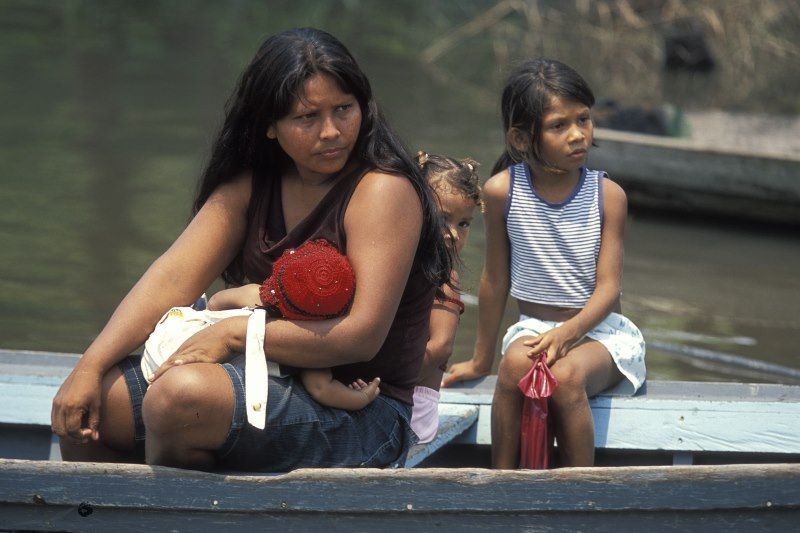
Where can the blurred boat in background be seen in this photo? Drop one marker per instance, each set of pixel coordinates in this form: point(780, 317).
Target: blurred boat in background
point(742, 166)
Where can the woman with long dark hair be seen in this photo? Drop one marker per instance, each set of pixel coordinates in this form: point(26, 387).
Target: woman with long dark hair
point(304, 154)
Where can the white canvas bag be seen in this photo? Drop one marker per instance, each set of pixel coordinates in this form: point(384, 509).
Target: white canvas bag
point(180, 323)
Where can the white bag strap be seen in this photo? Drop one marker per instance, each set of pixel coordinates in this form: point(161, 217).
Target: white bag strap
point(256, 380)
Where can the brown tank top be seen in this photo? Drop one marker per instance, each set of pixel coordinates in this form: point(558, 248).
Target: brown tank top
point(399, 359)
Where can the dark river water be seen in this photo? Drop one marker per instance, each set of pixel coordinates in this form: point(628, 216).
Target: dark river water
point(107, 110)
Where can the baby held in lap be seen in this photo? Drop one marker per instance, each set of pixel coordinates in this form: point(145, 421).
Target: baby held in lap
point(312, 282)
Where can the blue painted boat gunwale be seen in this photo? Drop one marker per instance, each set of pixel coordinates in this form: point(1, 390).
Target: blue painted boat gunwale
point(674, 416)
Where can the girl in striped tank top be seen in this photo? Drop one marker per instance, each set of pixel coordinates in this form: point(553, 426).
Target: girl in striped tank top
point(554, 233)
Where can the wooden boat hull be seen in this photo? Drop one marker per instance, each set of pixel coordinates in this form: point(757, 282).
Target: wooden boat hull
point(679, 419)
point(677, 174)
point(96, 497)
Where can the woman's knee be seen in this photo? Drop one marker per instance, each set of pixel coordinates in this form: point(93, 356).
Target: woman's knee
point(187, 396)
point(172, 399)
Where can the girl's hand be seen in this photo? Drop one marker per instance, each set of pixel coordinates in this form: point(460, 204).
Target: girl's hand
point(463, 372)
point(75, 415)
point(214, 344)
point(555, 343)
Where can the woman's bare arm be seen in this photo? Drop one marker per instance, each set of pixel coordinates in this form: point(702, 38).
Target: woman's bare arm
point(178, 277)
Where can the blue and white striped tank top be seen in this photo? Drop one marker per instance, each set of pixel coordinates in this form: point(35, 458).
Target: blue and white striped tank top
point(554, 247)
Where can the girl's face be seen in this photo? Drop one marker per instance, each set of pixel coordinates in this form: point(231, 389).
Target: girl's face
point(321, 129)
point(567, 134)
point(457, 211)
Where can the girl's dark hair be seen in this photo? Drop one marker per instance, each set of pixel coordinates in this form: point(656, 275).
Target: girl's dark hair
point(266, 93)
point(526, 97)
point(459, 175)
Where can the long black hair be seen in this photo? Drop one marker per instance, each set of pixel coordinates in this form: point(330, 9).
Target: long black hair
point(266, 92)
point(526, 97)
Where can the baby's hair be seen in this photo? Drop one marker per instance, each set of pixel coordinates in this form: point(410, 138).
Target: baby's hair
point(459, 175)
point(526, 97)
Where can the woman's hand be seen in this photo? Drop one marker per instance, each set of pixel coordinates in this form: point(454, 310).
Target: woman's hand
point(555, 343)
point(214, 344)
point(76, 408)
point(463, 372)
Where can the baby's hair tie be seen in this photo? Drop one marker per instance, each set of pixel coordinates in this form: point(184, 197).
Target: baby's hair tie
point(422, 158)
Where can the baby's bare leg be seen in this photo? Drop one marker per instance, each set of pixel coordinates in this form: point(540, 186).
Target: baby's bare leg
point(327, 391)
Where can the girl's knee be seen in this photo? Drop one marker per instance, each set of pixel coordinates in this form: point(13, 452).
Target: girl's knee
point(571, 382)
point(513, 366)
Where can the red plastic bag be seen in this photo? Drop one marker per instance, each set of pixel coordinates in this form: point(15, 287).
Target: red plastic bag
point(536, 433)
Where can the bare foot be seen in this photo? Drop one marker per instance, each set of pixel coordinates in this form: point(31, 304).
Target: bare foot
point(370, 390)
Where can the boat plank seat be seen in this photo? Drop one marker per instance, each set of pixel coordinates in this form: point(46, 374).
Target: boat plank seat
point(454, 419)
point(682, 417)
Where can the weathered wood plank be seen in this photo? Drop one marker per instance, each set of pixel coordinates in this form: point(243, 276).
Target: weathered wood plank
point(120, 520)
point(454, 419)
point(480, 391)
point(696, 488)
point(37, 495)
point(26, 403)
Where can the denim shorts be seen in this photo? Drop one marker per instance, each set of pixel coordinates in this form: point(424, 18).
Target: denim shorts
point(131, 368)
point(299, 432)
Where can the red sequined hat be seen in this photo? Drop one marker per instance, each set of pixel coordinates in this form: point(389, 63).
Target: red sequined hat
point(312, 282)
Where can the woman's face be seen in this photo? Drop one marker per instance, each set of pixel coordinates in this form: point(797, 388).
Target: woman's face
point(321, 129)
point(457, 210)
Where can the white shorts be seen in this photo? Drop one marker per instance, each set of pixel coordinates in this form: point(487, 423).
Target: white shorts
point(620, 336)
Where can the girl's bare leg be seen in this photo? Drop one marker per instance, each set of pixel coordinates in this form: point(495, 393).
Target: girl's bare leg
point(507, 405)
point(116, 429)
point(187, 414)
point(585, 371)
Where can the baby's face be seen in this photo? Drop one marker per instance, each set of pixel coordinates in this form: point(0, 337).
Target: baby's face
point(457, 211)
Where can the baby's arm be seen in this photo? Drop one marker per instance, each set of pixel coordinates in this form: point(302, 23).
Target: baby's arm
point(235, 298)
point(324, 389)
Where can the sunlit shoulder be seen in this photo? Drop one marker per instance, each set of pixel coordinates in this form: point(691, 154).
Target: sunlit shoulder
point(613, 194)
point(386, 186)
point(496, 188)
